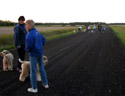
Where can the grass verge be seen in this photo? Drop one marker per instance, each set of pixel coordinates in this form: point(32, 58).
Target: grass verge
point(6, 41)
point(120, 32)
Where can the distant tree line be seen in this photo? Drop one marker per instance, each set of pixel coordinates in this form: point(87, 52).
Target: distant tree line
point(71, 24)
point(116, 24)
point(9, 23)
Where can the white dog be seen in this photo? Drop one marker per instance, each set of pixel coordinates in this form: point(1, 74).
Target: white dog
point(7, 60)
point(26, 69)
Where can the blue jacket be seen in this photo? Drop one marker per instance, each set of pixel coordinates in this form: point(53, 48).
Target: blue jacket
point(19, 34)
point(34, 43)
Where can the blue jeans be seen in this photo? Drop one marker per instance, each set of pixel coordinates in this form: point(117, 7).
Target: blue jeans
point(33, 71)
point(94, 30)
point(89, 30)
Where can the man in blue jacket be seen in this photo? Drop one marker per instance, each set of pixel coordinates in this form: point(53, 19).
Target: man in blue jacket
point(34, 45)
point(19, 38)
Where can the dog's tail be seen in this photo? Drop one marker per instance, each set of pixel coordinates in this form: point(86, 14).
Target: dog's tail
point(20, 60)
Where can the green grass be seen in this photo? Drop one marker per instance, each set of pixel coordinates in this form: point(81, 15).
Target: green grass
point(120, 32)
point(6, 41)
point(59, 36)
point(56, 32)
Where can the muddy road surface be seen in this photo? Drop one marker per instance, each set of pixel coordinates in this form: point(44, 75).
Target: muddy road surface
point(83, 64)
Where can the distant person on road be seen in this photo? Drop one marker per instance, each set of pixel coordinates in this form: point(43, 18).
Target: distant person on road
point(103, 29)
point(99, 27)
point(94, 28)
point(34, 46)
point(89, 29)
point(80, 29)
point(19, 38)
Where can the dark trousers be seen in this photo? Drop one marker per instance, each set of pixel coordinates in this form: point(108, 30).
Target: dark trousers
point(21, 54)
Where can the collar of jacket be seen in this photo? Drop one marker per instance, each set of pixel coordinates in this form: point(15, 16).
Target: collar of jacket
point(32, 29)
point(22, 24)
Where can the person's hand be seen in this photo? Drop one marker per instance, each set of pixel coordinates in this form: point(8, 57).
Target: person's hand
point(19, 46)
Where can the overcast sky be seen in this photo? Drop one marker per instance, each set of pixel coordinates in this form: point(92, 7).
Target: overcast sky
point(108, 11)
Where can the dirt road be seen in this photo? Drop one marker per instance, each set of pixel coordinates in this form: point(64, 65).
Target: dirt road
point(84, 64)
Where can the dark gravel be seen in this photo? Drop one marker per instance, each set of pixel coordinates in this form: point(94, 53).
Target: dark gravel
point(82, 64)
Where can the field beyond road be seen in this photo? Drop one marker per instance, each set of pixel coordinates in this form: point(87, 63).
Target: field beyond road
point(53, 32)
point(9, 30)
point(82, 64)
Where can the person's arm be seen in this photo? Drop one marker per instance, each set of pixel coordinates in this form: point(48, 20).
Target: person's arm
point(17, 37)
point(29, 43)
point(44, 40)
